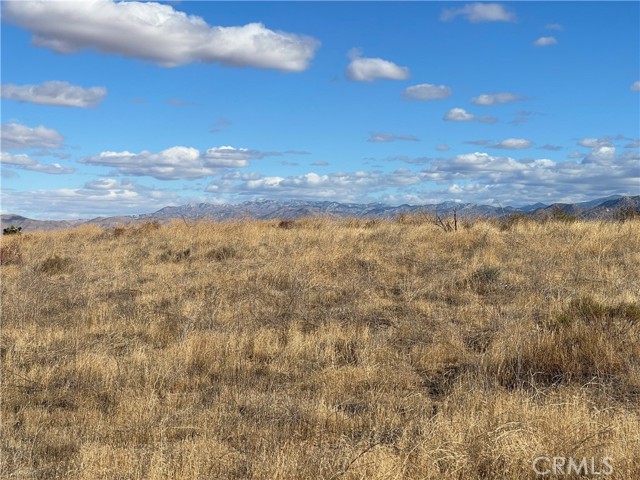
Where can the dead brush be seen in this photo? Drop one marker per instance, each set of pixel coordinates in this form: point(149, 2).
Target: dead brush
point(286, 224)
point(55, 265)
point(338, 349)
point(10, 254)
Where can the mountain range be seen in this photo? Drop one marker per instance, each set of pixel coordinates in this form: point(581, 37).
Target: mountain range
point(292, 209)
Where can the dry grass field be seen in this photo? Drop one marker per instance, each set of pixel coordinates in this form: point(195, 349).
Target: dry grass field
point(333, 349)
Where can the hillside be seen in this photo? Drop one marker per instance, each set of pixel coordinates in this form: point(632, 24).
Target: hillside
point(355, 348)
point(603, 208)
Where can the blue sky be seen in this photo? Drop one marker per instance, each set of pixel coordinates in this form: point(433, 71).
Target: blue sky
point(119, 108)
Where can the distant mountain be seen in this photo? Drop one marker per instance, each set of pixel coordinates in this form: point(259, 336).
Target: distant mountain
point(292, 209)
point(30, 225)
point(599, 208)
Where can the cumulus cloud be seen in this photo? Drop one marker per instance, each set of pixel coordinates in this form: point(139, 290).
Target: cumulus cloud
point(479, 12)
point(490, 99)
point(25, 162)
point(554, 26)
point(378, 137)
point(595, 142)
point(346, 186)
point(101, 196)
point(16, 136)
point(458, 115)
point(635, 86)
point(553, 148)
point(427, 91)
point(486, 178)
point(513, 144)
point(56, 93)
point(157, 33)
point(177, 162)
point(545, 42)
point(362, 69)
point(461, 115)
point(602, 155)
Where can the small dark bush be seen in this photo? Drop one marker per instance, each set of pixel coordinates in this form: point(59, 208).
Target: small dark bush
point(179, 256)
point(484, 280)
point(486, 275)
point(626, 214)
point(12, 230)
point(10, 254)
point(597, 315)
point(119, 231)
point(55, 265)
point(286, 224)
point(560, 215)
point(510, 221)
point(222, 253)
point(148, 227)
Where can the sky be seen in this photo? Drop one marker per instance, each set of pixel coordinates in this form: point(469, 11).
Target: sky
point(113, 108)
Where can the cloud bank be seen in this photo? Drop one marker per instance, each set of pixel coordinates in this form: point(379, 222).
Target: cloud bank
point(56, 93)
point(177, 162)
point(157, 33)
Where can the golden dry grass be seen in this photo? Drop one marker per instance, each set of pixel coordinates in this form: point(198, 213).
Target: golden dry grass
point(351, 349)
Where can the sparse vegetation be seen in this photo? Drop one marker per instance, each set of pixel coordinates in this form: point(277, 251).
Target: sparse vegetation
point(339, 349)
point(12, 230)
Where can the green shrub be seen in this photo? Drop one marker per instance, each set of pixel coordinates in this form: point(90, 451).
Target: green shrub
point(12, 230)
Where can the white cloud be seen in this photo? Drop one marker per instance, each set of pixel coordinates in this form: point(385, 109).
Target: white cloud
point(554, 26)
point(390, 137)
point(461, 115)
point(635, 86)
point(513, 144)
point(102, 196)
point(443, 147)
point(17, 136)
point(362, 69)
point(343, 186)
point(158, 33)
point(55, 93)
point(177, 162)
point(490, 99)
point(480, 12)
point(602, 155)
point(25, 162)
point(485, 178)
point(545, 42)
point(553, 148)
point(426, 91)
point(458, 115)
point(595, 142)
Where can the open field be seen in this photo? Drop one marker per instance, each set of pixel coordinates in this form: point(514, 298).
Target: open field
point(354, 349)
